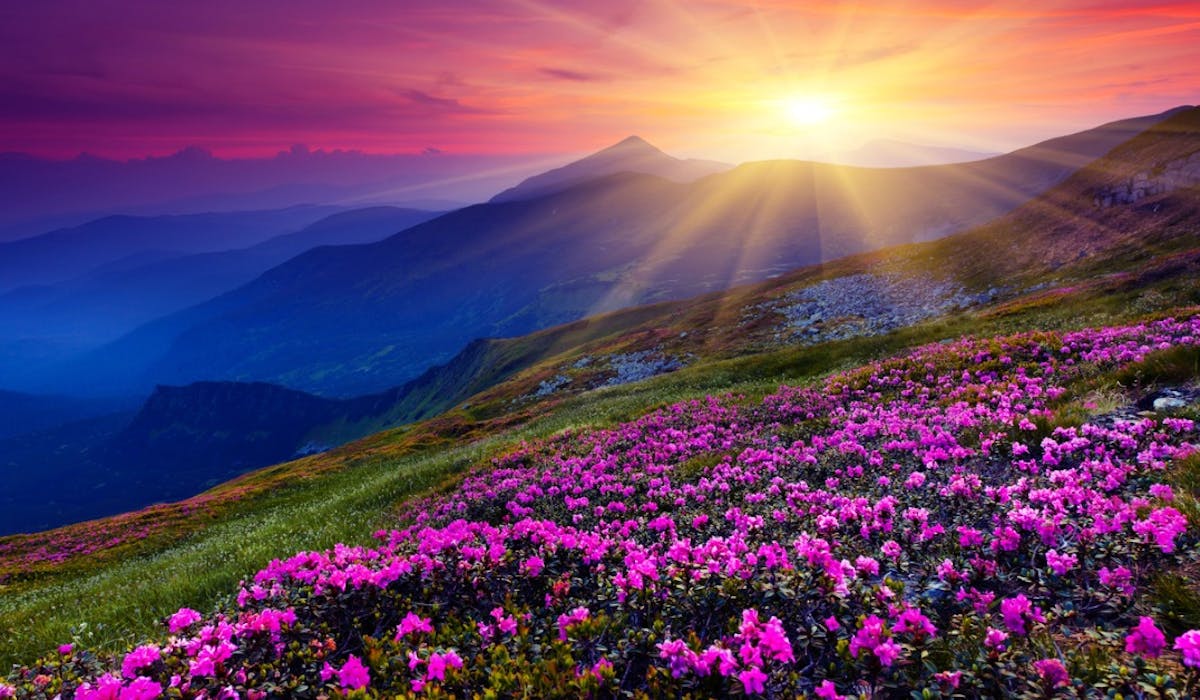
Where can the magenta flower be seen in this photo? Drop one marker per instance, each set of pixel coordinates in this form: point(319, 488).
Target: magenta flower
point(1188, 644)
point(827, 691)
point(533, 566)
point(182, 620)
point(1119, 578)
point(142, 688)
point(108, 687)
point(913, 622)
point(994, 639)
point(1052, 672)
point(353, 674)
point(568, 620)
point(413, 624)
point(138, 659)
point(1017, 611)
point(1060, 563)
point(947, 679)
point(753, 680)
point(438, 663)
point(873, 637)
point(1146, 639)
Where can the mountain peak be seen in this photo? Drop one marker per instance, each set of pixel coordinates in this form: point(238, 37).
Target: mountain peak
point(633, 141)
point(630, 154)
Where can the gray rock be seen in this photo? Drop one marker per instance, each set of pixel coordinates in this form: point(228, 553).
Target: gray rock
point(1168, 403)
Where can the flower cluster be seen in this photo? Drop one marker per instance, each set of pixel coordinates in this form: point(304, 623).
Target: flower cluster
point(924, 521)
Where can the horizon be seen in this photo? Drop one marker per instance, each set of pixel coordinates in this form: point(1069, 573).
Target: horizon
point(543, 159)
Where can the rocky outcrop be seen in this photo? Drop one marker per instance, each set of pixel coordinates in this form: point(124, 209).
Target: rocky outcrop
point(866, 304)
point(1163, 178)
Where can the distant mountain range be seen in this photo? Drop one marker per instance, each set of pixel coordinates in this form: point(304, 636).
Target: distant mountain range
point(113, 298)
point(38, 194)
point(132, 240)
point(357, 319)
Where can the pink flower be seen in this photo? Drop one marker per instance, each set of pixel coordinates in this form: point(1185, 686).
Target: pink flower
point(1060, 563)
point(1016, 611)
point(753, 680)
point(1119, 578)
point(208, 661)
point(872, 636)
point(1163, 526)
point(1162, 491)
point(912, 621)
point(182, 620)
point(568, 620)
point(678, 656)
point(1188, 644)
point(994, 639)
point(138, 659)
point(64, 649)
point(438, 664)
point(533, 565)
point(831, 624)
point(827, 691)
point(142, 688)
point(891, 548)
point(353, 674)
point(887, 652)
point(1052, 672)
point(1146, 639)
point(108, 687)
point(948, 679)
point(413, 624)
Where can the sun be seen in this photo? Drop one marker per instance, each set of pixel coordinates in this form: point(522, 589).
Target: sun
point(807, 110)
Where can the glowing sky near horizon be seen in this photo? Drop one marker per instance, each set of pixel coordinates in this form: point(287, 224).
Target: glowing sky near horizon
point(723, 79)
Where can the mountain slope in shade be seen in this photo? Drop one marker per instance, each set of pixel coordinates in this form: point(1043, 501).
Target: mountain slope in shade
point(68, 253)
point(26, 413)
point(631, 155)
point(356, 319)
point(124, 294)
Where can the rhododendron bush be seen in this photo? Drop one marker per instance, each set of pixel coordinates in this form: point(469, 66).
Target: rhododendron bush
point(922, 523)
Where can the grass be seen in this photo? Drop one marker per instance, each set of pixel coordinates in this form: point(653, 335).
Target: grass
point(112, 599)
point(1172, 365)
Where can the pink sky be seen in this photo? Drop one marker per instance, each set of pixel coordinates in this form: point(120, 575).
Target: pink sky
point(136, 77)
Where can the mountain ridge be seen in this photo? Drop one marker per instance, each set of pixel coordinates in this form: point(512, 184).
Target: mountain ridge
point(620, 240)
point(631, 154)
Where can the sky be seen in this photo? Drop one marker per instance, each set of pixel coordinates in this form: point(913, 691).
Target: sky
point(727, 79)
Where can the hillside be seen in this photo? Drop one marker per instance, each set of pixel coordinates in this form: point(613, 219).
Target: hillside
point(344, 321)
point(868, 295)
point(348, 492)
point(1067, 520)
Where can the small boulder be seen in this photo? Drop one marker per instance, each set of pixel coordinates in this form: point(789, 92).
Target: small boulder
point(1168, 403)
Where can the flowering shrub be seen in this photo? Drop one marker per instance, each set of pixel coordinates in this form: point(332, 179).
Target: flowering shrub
point(918, 523)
